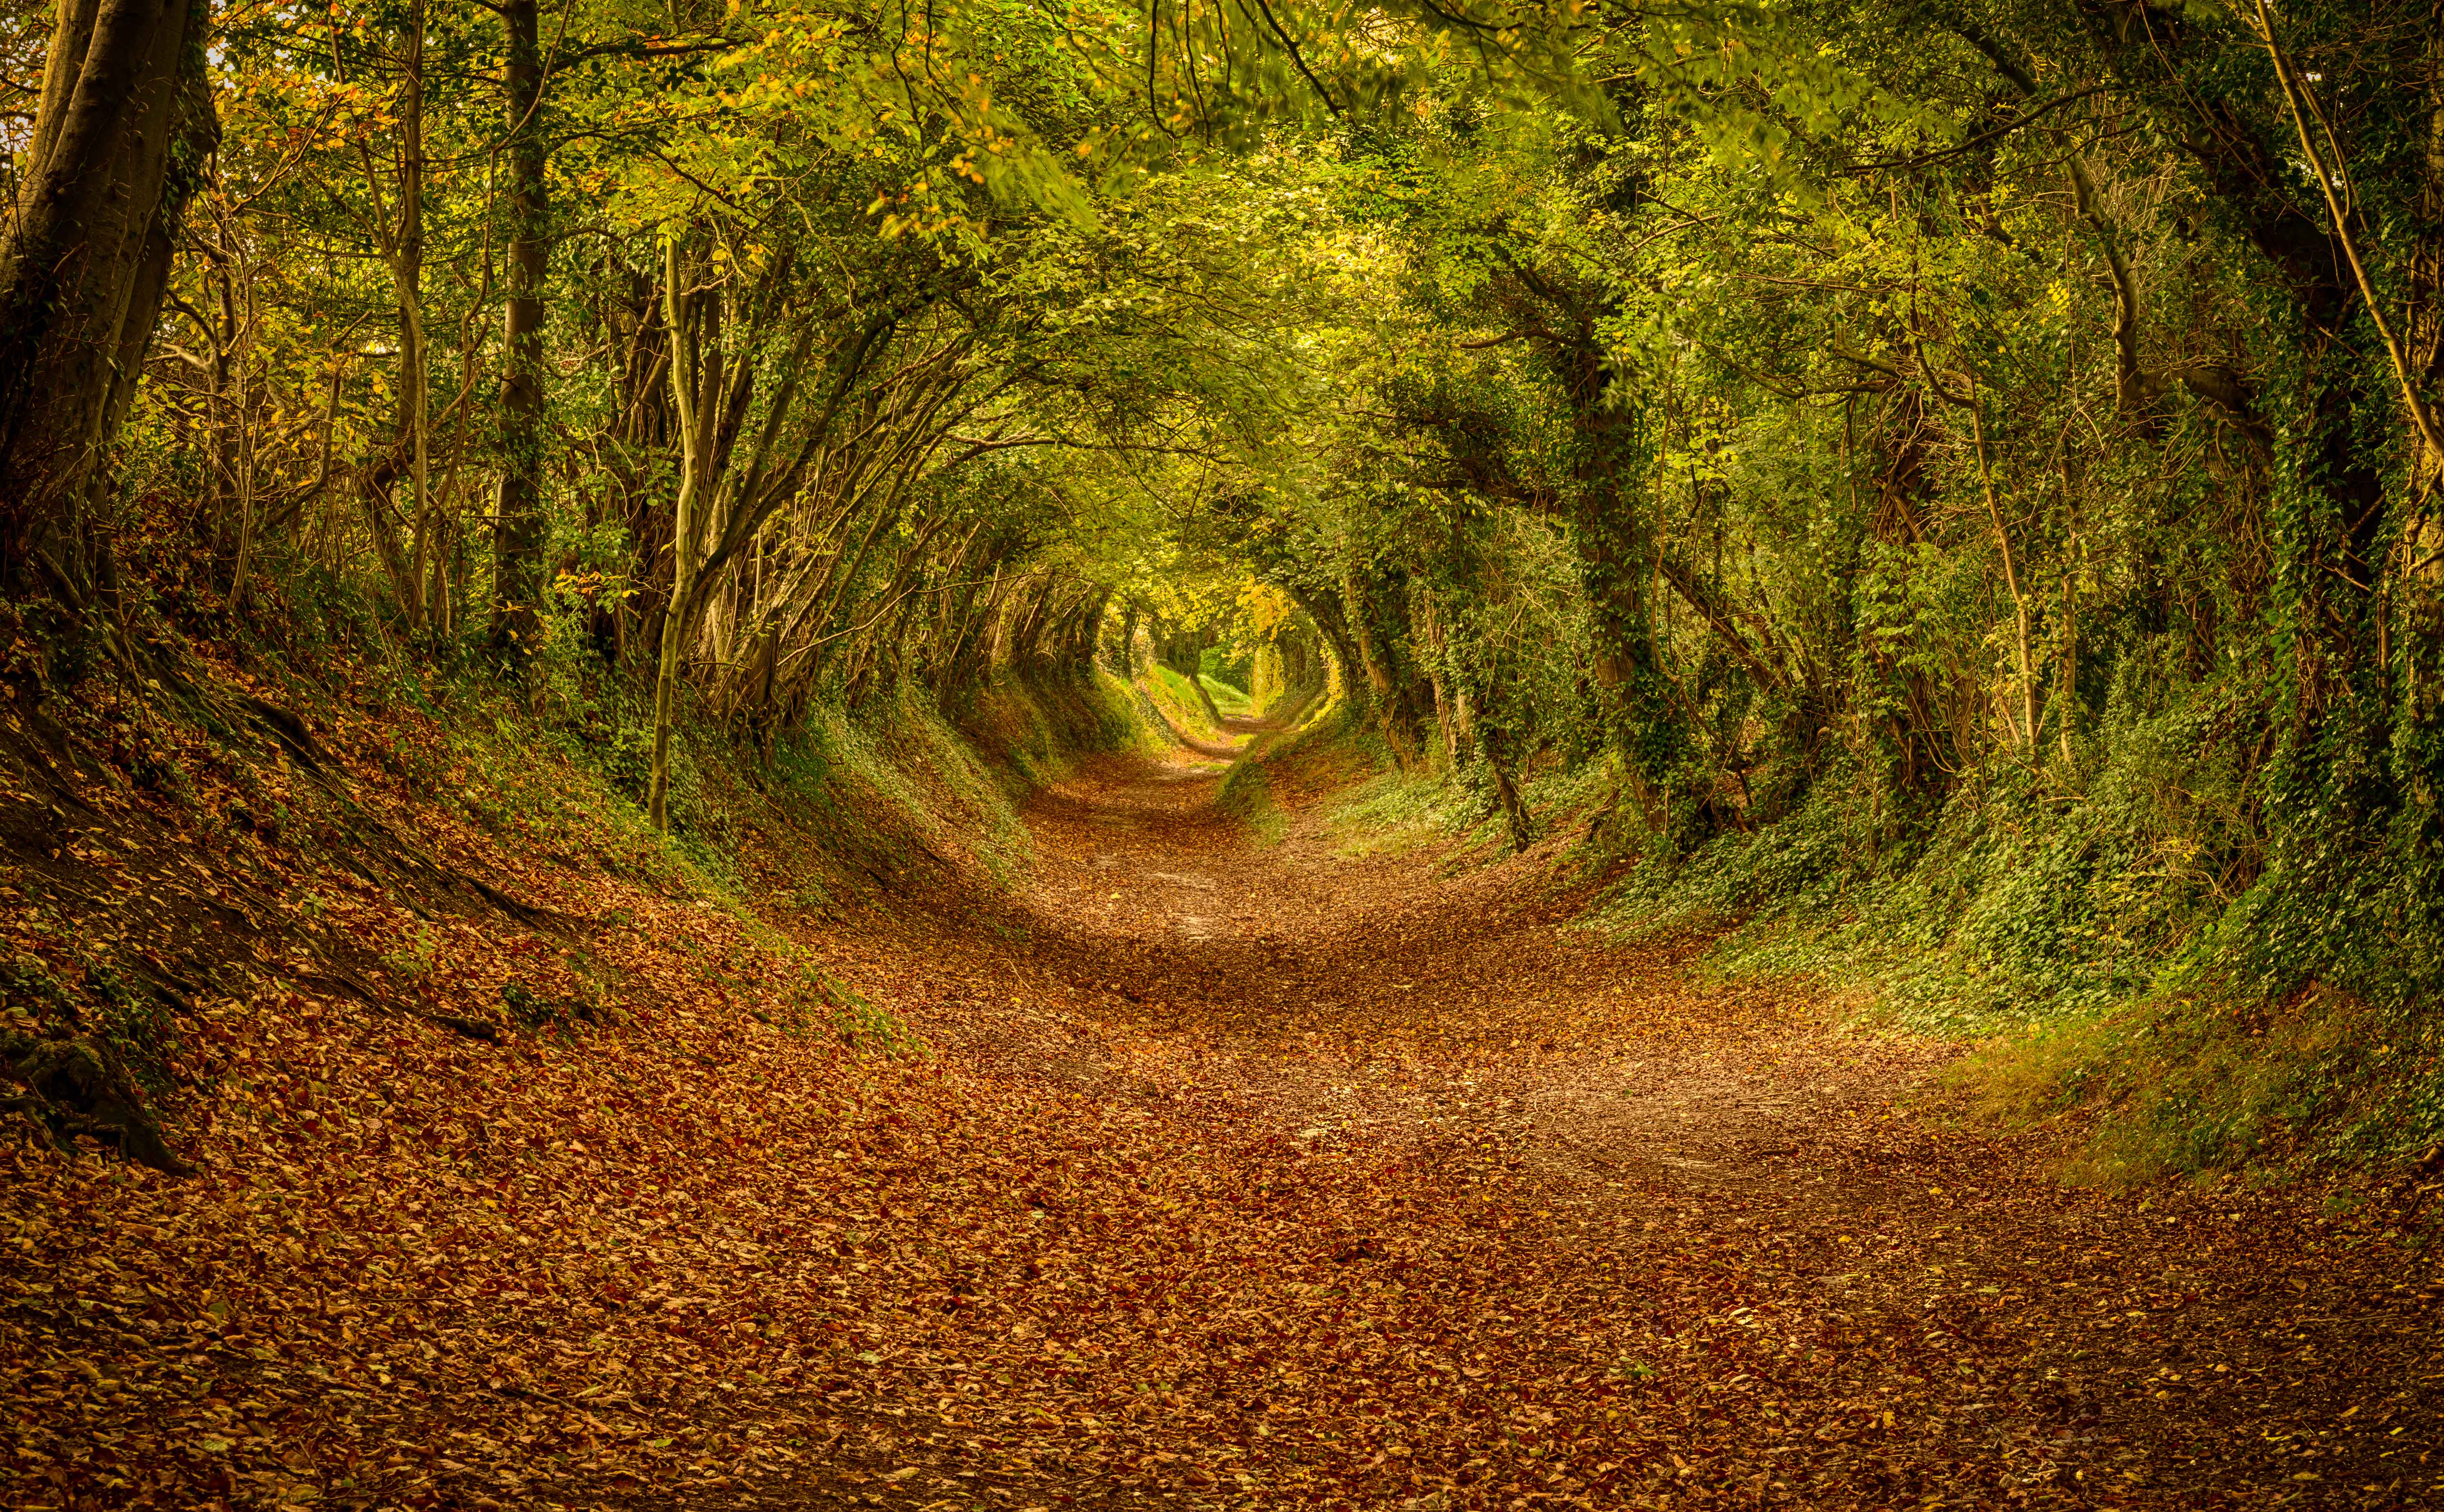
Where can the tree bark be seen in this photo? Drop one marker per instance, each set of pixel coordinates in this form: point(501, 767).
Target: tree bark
point(1515, 819)
point(407, 277)
point(120, 142)
point(696, 384)
point(2026, 737)
point(1398, 712)
point(1614, 565)
point(518, 518)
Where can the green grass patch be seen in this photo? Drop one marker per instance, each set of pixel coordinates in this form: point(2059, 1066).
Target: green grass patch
point(2192, 1084)
point(1246, 794)
point(1232, 701)
point(1395, 812)
point(1328, 734)
point(1176, 698)
point(2071, 958)
point(1145, 733)
point(866, 1027)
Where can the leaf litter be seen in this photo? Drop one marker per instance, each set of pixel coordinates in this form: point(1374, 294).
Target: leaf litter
point(1380, 1188)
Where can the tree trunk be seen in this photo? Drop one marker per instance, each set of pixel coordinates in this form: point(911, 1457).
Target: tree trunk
point(1399, 710)
point(407, 277)
point(2026, 737)
point(696, 384)
point(1617, 562)
point(1625, 664)
point(120, 142)
point(1331, 623)
point(1205, 696)
point(222, 485)
point(518, 528)
point(1128, 667)
point(1516, 818)
point(1429, 624)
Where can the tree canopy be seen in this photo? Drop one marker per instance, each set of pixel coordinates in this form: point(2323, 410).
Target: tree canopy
point(1972, 449)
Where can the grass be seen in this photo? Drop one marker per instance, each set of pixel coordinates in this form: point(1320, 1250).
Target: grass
point(1557, 796)
point(857, 1021)
point(868, 781)
point(997, 835)
point(1233, 701)
point(1395, 813)
point(1248, 795)
point(1146, 733)
point(1177, 699)
point(1380, 810)
point(2151, 1068)
point(2193, 1084)
point(1328, 731)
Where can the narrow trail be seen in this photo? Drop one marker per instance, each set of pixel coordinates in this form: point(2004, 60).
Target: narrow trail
point(1339, 1170)
point(1401, 1190)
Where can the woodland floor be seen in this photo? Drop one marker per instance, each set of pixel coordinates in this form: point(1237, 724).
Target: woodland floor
point(1237, 1174)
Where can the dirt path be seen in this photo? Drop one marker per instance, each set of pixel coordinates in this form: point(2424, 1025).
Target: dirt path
point(1231, 1175)
point(1464, 1207)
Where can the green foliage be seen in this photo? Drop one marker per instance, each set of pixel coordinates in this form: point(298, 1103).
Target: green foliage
point(136, 1022)
point(1247, 796)
point(532, 1010)
point(1330, 733)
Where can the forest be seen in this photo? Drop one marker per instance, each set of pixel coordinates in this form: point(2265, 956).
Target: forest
point(1238, 753)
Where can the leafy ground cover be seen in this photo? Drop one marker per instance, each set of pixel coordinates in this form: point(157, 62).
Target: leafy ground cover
point(1178, 1170)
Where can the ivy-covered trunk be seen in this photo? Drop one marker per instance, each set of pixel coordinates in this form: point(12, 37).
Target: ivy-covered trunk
point(1617, 565)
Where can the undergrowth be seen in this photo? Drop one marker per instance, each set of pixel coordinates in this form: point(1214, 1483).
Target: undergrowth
point(2088, 946)
point(1395, 812)
point(553, 756)
point(2083, 943)
point(1178, 702)
point(1228, 697)
point(1327, 731)
point(1385, 809)
point(2191, 1084)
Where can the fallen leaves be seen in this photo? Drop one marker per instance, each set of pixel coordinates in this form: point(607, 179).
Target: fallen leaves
point(1412, 1199)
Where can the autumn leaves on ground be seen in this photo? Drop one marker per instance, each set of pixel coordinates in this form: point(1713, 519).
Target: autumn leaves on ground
point(1168, 1166)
